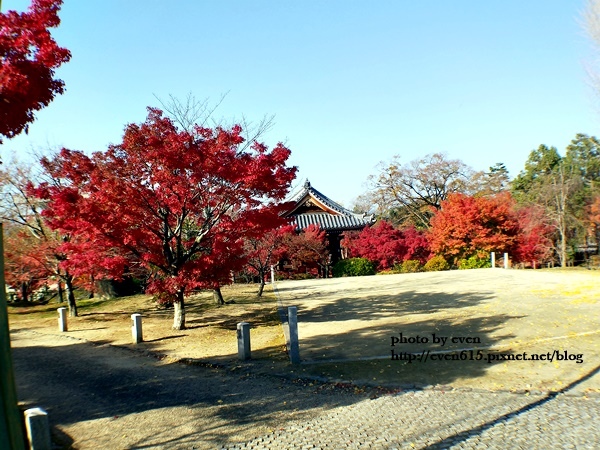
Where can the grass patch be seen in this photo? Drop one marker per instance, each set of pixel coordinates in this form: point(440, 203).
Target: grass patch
point(210, 332)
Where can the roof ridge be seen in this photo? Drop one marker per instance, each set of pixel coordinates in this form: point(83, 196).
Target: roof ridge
point(333, 204)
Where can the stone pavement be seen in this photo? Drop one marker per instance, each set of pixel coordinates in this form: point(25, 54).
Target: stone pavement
point(436, 419)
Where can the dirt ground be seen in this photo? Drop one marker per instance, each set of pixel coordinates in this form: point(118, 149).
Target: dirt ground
point(347, 326)
point(210, 334)
point(346, 330)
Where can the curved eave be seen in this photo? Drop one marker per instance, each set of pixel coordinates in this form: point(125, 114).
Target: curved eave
point(329, 222)
point(319, 202)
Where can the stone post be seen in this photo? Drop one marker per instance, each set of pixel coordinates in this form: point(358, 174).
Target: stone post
point(293, 326)
point(136, 328)
point(493, 256)
point(272, 274)
point(38, 429)
point(62, 319)
point(506, 260)
point(243, 340)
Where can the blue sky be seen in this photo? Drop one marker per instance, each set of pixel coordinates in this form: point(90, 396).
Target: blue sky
point(350, 83)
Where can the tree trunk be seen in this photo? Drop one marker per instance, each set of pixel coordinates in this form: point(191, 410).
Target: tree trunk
point(93, 286)
point(179, 307)
point(563, 252)
point(24, 295)
point(71, 295)
point(261, 288)
point(218, 296)
point(61, 293)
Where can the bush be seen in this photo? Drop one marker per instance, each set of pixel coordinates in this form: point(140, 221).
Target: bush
point(411, 266)
point(436, 264)
point(353, 267)
point(474, 262)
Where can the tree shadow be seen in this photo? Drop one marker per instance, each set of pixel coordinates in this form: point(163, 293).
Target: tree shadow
point(372, 307)
point(164, 338)
point(353, 337)
point(81, 382)
point(258, 316)
point(88, 329)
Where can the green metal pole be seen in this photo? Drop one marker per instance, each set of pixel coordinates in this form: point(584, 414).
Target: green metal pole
point(11, 429)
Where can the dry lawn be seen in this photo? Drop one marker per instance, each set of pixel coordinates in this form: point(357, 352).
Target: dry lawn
point(346, 327)
point(211, 329)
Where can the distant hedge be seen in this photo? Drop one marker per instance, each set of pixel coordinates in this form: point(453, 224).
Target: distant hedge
point(435, 264)
point(474, 262)
point(411, 266)
point(353, 267)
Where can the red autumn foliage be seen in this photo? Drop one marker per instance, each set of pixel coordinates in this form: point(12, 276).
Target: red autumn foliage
point(262, 252)
point(533, 242)
point(386, 246)
point(594, 213)
point(468, 226)
point(417, 245)
point(179, 203)
point(25, 262)
point(307, 251)
point(382, 244)
point(28, 58)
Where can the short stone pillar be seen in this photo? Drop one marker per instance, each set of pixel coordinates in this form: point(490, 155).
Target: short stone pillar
point(506, 263)
point(38, 429)
point(272, 274)
point(136, 328)
point(243, 340)
point(293, 328)
point(493, 256)
point(62, 319)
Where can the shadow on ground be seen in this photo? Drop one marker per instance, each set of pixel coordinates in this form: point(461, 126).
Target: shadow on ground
point(351, 338)
point(373, 307)
point(84, 382)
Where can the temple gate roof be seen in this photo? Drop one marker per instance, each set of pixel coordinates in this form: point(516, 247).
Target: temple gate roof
point(313, 208)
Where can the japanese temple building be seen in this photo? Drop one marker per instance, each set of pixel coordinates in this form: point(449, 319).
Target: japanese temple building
point(313, 208)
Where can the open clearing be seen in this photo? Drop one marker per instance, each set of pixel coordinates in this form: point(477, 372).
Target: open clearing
point(346, 328)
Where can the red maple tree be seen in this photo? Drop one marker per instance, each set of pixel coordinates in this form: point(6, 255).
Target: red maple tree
point(180, 203)
point(385, 245)
point(381, 244)
point(264, 251)
point(534, 243)
point(307, 251)
point(468, 226)
point(25, 263)
point(417, 245)
point(28, 58)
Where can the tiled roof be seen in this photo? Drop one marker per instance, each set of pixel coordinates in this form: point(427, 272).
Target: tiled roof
point(330, 222)
point(339, 219)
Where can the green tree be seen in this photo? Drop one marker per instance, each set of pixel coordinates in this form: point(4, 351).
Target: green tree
point(583, 159)
point(542, 162)
point(558, 185)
